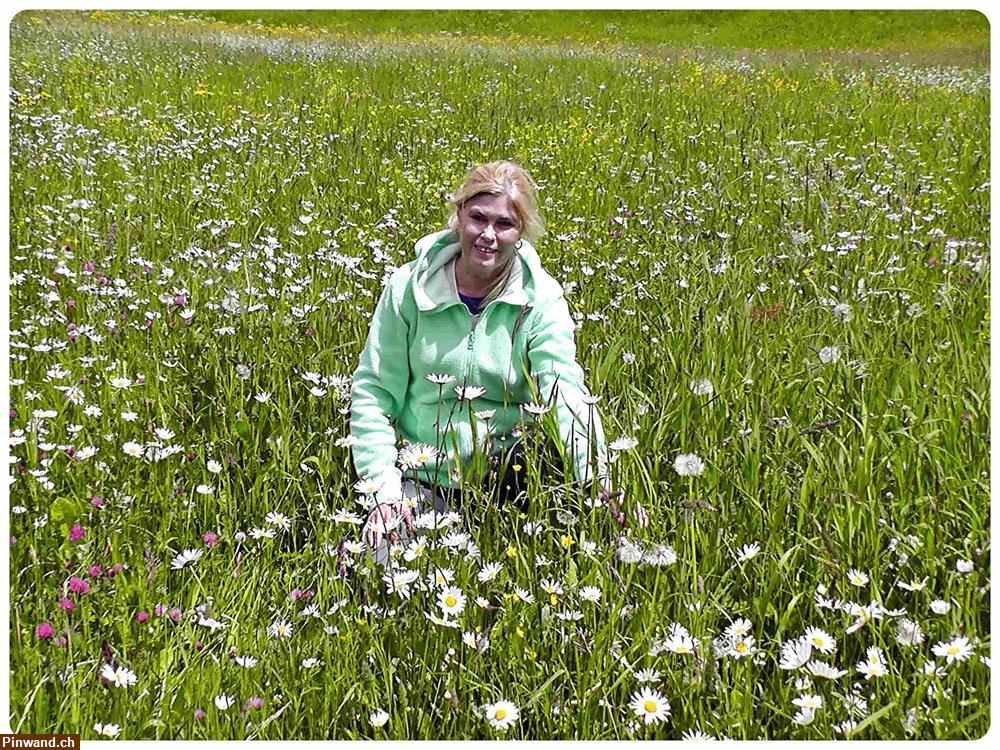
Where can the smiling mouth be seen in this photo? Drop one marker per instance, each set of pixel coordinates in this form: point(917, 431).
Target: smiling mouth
point(486, 250)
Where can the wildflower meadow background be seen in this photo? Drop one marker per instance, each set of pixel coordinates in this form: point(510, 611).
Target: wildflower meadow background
point(779, 266)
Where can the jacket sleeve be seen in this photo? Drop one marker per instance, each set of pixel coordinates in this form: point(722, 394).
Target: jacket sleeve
point(552, 359)
point(378, 393)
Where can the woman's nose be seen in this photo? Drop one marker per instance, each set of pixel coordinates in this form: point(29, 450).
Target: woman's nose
point(489, 232)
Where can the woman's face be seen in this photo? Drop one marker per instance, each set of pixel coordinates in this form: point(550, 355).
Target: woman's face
point(488, 229)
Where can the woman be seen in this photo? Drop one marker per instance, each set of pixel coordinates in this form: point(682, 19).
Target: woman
point(474, 310)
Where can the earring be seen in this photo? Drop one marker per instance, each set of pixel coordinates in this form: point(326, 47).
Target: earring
point(517, 245)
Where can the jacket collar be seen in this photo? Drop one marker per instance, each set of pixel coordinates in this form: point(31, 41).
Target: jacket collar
point(433, 288)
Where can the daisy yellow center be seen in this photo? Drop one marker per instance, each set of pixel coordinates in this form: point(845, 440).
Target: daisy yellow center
point(450, 601)
point(741, 647)
point(817, 640)
point(953, 649)
point(501, 714)
point(649, 706)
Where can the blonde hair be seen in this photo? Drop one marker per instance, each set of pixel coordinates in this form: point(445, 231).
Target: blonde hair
point(501, 178)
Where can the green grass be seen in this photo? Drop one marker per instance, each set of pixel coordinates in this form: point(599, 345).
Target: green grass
point(707, 215)
point(922, 37)
point(764, 29)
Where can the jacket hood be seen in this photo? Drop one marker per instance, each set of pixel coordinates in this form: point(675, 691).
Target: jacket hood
point(529, 283)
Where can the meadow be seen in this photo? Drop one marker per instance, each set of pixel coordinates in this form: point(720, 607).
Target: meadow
point(914, 34)
point(780, 275)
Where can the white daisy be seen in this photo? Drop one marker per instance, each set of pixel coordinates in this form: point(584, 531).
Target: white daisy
point(489, 572)
point(274, 518)
point(451, 600)
point(133, 449)
point(822, 669)
point(820, 640)
point(623, 444)
point(809, 702)
point(940, 607)
point(469, 392)
point(795, 654)
point(185, 558)
point(281, 629)
point(649, 705)
point(857, 577)
point(501, 714)
point(957, 649)
point(647, 675)
point(120, 676)
point(107, 730)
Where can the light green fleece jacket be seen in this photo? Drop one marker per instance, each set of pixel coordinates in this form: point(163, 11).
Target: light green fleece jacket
point(421, 327)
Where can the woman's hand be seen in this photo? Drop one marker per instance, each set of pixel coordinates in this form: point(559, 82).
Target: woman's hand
point(384, 519)
point(611, 498)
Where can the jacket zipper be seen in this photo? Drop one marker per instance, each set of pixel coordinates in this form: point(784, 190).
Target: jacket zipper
point(472, 342)
point(468, 364)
